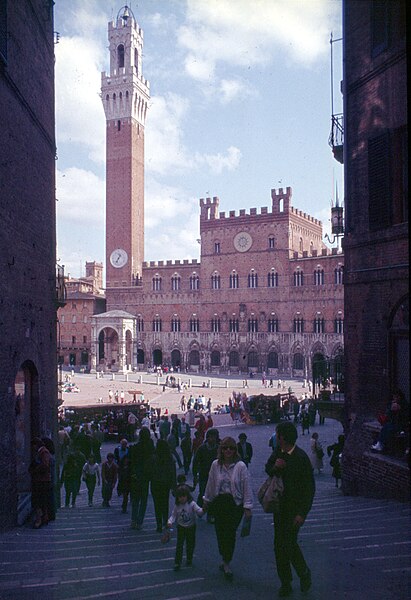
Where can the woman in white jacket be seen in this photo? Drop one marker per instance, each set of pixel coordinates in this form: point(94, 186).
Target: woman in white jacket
point(227, 497)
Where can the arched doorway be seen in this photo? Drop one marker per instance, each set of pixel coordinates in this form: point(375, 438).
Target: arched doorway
point(233, 359)
point(26, 396)
point(108, 347)
point(272, 360)
point(252, 360)
point(176, 358)
point(140, 356)
point(320, 370)
point(215, 358)
point(157, 357)
point(194, 359)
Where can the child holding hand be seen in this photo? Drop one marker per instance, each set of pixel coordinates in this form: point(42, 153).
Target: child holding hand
point(184, 515)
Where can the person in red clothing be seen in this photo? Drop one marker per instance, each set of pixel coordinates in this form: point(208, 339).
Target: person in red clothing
point(40, 472)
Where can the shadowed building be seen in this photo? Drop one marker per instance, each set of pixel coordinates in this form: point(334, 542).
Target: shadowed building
point(28, 365)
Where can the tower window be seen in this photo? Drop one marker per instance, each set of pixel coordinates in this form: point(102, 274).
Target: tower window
point(216, 247)
point(120, 56)
point(271, 242)
point(118, 125)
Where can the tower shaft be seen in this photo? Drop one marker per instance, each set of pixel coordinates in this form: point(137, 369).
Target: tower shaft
point(125, 96)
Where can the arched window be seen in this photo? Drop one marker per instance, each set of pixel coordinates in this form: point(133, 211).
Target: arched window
point(140, 323)
point(233, 280)
point(253, 325)
point(339, 324)
point(194, 324)
point(175, 324)
point(215, 281)
point(298, 324)
point(272, 324)
point(215, 324)
point(272, 279)
point(175, 283)
point(252, 279)
point(157, 324)
point(157, 283)
point(233, 325)
point(319, 277)
point(298, 278)
point(194, 282)
point(319, 324)
point(120, 56)
point(339, 275)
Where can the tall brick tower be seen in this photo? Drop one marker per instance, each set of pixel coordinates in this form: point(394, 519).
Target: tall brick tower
point(125, 96)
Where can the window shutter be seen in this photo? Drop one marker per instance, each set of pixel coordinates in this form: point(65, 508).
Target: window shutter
point(379, 201)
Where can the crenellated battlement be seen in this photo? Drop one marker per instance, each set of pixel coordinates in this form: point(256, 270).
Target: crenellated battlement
point(300, 213)
point(169, 263)
point(280, 205)
point(209, 208)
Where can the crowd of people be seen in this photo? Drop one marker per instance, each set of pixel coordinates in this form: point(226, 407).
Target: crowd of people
point(157, 458)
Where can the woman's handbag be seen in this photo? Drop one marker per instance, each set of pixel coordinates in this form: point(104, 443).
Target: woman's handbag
point(246, 526)
point(269, 494)
point(319, 452)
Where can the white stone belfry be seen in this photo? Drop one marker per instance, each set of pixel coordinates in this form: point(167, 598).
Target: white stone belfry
point(124, 91)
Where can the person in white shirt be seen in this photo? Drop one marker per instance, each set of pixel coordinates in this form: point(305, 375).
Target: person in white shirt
point(184, 515)
point(228, 497)
point(91, 475)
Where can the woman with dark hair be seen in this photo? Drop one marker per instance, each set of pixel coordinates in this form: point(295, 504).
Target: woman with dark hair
point(228, 497)
point(163, 479)
point(141, 466)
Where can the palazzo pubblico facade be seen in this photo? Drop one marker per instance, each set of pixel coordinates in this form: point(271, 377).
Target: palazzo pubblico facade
point(265, 295)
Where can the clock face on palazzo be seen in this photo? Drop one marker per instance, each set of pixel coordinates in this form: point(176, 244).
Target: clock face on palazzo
point(118, 258)
point(243, 241)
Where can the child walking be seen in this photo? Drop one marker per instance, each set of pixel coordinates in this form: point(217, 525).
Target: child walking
point(184, 515)
point(91, 475)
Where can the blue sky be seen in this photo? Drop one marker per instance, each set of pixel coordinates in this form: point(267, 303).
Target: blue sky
point(240, 104)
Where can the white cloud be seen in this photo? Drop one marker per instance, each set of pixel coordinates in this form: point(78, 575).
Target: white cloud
point(171, 223)
point(79, 112)
point(219, 162)
point(246, 32)
point(166, 152)
point(230, 89)
point(81, 197)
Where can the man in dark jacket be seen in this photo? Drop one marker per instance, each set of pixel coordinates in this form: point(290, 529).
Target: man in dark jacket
point(203, 459)
point(245, 449)
point(293, 465)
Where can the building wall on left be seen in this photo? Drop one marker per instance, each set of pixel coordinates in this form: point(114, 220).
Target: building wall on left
point(28, 357)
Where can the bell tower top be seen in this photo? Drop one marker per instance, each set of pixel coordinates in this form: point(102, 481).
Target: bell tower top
point(124, 91)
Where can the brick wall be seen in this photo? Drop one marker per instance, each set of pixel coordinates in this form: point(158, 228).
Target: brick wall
point(28, 386)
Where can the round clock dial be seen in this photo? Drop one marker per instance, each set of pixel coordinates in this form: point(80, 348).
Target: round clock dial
point(243, 241)
point(118, 258)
